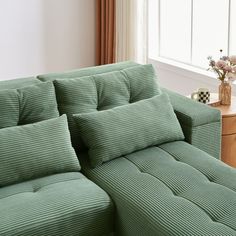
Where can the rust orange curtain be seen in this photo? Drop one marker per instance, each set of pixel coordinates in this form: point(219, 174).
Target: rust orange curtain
point(105, 31)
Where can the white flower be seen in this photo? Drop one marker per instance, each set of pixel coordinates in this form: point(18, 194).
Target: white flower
point(234, 69)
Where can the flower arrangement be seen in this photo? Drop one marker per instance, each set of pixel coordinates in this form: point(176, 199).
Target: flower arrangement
point(225, 67)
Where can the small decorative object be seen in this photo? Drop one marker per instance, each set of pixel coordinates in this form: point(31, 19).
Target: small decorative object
point(202, 95)
point(225, 68)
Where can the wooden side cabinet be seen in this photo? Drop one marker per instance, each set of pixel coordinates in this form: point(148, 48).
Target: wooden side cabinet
point(228, 149)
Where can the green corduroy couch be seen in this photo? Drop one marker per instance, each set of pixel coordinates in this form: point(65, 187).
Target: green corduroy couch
point(150, 157)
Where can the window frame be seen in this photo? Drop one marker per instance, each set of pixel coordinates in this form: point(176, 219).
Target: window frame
point(189, 68)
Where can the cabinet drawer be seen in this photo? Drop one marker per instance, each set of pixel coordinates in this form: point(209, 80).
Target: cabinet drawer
point(229, 125)
point(228, 150)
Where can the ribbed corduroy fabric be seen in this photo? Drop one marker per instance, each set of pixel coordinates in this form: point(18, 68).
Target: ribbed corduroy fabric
point(9, 108)
point(37, 103)
point(36, 150)
point(201, 124)
point(208, 114)
point(175, 189)
point(57, 205)
point(142, 82)
point(94, 70)
point(76, 96)
point(103, 91)
point(206, 137)
point(27, 105)
point(122, 130)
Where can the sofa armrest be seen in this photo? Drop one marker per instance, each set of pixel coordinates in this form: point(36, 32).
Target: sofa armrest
point(201, 124)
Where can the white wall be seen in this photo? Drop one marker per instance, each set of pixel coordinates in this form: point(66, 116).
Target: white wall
point(40, 36)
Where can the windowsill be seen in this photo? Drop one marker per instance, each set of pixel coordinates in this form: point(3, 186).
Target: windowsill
point(185, 70)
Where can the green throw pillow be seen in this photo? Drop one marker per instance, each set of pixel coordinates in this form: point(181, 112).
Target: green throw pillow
point(36, 150)
point(103, 91)
point(125, 129)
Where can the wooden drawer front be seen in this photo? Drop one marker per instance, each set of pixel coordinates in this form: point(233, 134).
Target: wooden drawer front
point(228, 152)
point(229, 125)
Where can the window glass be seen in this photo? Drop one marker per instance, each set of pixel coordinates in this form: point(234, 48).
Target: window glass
point(233, 28)
point(210, 30)
point(175, 29)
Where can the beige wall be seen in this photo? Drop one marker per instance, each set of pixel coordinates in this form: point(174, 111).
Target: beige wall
point(40, 36)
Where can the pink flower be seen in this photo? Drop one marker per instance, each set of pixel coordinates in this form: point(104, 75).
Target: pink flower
point(221, 64)
point(227, 68)
point(233, 59)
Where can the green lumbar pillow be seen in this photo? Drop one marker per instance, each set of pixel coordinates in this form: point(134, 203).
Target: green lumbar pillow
point(36, 150)
point(102, 92)
point(125, 129)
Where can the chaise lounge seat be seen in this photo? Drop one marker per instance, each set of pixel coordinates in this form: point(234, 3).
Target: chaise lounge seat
point(172, 189)
point(61, 204)
point(175, 188)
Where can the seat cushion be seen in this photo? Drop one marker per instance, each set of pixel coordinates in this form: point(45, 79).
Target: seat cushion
point(59, 205)
point(124, 129)
point(173, 189)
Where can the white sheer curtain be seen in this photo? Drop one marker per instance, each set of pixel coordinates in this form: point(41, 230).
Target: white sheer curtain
point(131, 30)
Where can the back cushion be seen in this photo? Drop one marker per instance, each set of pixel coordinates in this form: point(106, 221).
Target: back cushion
point(36, 150)
point(9, 108)
point(18, 83)
point(103, 91)
point(142, 81)
point(88, 71)
point(27, 105)
point(37, 103)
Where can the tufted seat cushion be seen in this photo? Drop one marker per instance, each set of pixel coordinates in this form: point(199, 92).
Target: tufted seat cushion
point(174, 189)
point(103, 91)
point(58, 205)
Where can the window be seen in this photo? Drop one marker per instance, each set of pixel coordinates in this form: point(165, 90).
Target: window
point(189, 31)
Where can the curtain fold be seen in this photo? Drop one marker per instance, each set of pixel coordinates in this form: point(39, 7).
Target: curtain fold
point(105, 31)
point(131, 33)
point(121, 31)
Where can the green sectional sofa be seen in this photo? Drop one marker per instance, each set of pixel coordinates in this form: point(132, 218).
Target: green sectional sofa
point(107, 151)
